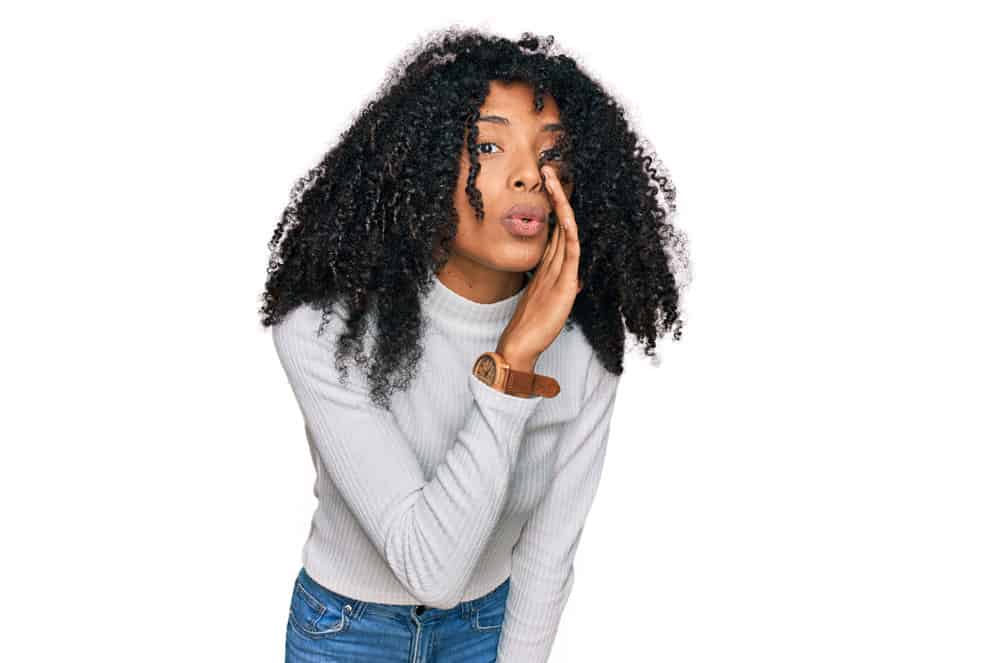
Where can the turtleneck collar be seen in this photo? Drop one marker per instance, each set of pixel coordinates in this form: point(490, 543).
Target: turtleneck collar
point(448, 308)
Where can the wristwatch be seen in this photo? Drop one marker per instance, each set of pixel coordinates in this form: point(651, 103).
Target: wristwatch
point(495, 371)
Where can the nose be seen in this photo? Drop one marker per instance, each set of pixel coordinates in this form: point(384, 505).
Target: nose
point(526, 174)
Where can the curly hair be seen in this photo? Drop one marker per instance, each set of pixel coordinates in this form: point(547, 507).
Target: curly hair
point(360, 226)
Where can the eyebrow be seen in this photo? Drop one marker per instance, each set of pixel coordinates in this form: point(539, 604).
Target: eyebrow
point(497, 119)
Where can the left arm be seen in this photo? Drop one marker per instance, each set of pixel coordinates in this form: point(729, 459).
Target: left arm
point(542, 572)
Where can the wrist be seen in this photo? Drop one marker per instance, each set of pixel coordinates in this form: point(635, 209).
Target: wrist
point(518, 361)
point(520, 380)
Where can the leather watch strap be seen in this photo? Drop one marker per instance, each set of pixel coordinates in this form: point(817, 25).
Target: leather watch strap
point(492, 369)
point(521, 383)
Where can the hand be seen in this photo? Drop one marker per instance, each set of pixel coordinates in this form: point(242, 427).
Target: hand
point(546, 303)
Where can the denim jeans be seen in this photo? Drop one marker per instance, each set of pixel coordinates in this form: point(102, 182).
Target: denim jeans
point(324, 626)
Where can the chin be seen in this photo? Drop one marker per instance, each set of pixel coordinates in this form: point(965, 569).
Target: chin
point(526, 259)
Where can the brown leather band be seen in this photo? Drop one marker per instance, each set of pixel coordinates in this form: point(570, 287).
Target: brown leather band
point(521, 383)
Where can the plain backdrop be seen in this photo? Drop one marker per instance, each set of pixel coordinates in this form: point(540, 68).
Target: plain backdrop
point(808, 475)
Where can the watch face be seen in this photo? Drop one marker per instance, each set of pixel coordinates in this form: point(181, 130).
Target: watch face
point(485, 369)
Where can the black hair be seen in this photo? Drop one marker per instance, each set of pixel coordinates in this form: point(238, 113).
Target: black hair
point(360, 225)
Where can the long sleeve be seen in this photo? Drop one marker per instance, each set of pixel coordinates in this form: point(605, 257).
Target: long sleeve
point(542, 571)
point(430, 532)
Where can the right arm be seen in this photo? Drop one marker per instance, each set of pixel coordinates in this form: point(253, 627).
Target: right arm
point(430, 532)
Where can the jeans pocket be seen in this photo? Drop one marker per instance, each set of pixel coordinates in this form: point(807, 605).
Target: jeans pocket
point(315, 613)
point(489, 614)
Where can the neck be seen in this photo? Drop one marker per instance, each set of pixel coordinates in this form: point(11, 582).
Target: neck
point(466, 318)
point(482, 287)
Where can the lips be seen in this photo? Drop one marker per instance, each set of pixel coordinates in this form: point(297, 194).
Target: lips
point(523, 211)
point(517, 228)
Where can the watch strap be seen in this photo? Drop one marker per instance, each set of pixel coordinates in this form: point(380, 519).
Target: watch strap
point(523, 383)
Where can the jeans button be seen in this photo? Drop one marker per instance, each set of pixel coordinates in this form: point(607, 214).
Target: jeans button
point(420, 609)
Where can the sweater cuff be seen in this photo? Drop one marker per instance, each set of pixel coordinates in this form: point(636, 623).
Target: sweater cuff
point(499, 400)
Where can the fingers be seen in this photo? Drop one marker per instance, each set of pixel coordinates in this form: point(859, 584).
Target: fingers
point(557, 253)
point(558, 250)
point(565, 262)
point(550, 248)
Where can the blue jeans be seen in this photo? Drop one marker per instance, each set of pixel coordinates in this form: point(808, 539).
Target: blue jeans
point(324, 626)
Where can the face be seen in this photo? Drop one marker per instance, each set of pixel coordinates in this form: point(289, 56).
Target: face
point(510, 155)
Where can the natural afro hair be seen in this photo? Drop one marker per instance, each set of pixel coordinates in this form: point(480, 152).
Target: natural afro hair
point(360, 226)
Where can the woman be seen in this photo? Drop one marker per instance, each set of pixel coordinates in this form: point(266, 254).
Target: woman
point(493, 216)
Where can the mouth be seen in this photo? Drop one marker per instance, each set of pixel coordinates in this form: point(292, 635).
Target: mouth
point(523, 226)
point(525, 220)
point(526, 213)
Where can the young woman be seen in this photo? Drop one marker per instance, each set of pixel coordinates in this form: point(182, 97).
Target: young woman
point(476, 244)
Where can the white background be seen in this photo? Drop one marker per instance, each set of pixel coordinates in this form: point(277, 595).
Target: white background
point(809, 475)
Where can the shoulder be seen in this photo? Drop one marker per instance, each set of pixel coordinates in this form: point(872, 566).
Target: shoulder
point(306, 348)
point(303, 332)
point(575, 363)
point(295, 326)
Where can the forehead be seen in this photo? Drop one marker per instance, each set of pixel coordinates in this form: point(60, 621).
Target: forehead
point(515, 102)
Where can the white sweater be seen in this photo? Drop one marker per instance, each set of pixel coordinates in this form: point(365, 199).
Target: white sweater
point(460, 486)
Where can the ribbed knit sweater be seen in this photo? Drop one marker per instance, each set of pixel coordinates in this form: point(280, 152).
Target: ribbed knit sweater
point(459, 485)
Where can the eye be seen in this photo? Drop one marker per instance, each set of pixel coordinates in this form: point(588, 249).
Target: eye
point(554, 153)
point(483, 145)
point(557, 156)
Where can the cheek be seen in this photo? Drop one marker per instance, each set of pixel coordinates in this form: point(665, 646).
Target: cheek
point(489, 191)
point(477, 236)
